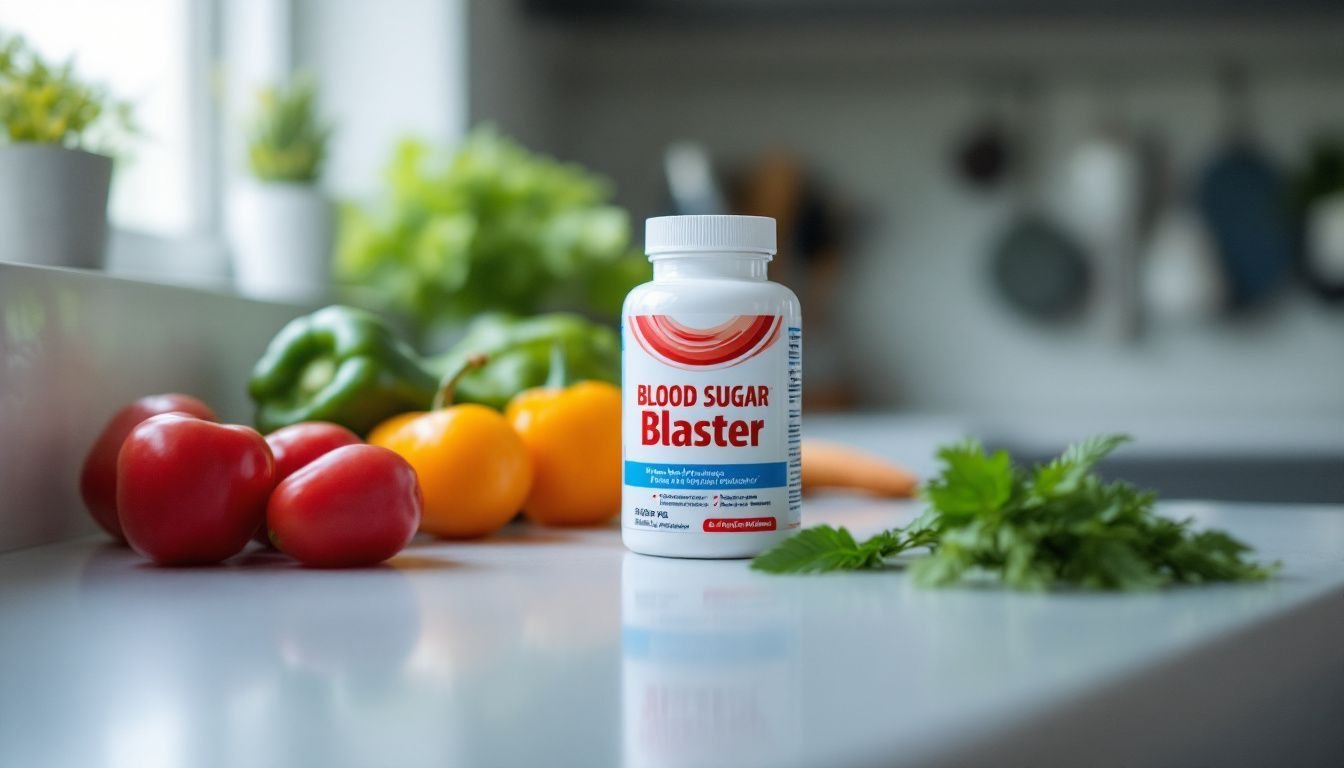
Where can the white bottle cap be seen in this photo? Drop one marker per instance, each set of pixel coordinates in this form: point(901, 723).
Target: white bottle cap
point(667, 235)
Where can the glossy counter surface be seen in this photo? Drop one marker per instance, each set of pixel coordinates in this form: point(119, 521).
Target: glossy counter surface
point(558, 648)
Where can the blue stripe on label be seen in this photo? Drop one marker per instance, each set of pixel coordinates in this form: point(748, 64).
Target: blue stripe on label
point(706, 477)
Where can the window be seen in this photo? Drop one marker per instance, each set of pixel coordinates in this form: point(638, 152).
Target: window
point(144, 51)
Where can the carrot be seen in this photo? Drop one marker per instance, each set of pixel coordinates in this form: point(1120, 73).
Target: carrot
point(828, 466)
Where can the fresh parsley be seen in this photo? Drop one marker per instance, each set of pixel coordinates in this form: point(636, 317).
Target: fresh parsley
point(1059, 524)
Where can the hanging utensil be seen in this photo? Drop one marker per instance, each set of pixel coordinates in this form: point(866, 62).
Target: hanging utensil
point(1037, 267)
point(1321, 202)
point(1039, 270)
point(1102, 197)
point(1243, 199)
point(984, 157)
point(1181, 279)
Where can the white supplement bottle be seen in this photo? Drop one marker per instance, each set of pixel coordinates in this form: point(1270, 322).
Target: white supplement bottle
point(711, 389)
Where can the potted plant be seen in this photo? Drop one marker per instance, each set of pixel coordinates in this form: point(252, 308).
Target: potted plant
point(55, 170)
point(282, 223)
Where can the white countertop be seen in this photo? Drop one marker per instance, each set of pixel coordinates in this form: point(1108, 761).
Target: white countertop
point(553, 647)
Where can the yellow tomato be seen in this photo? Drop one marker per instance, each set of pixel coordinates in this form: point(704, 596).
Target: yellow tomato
point(573, 436)
point(473, 468)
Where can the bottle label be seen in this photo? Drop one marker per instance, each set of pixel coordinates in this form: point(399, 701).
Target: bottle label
point(711, 423)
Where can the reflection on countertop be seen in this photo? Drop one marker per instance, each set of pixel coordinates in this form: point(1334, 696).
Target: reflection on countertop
point(709, 655)
point(557, 647)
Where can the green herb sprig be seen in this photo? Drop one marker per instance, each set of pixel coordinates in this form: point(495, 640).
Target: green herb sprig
point(1059, 524)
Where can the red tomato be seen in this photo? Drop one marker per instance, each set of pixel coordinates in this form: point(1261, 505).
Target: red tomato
point(357, 505)
point(297, 445)
point(192, 492)
point(98, 478)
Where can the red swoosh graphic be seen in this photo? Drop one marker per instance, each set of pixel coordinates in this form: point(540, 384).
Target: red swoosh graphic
point(722, 346)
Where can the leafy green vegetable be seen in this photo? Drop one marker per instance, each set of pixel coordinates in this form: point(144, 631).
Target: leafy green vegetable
point(45, 103)
point(823, 548)
point(1058, 525)
point(287, 141)
point(492, 227)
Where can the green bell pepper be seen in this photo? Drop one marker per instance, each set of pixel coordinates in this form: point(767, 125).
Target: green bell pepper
point(347, 366)
point(521, 352)
point(338, 364)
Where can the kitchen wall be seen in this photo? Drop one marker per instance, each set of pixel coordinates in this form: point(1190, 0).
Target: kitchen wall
point(510, 79)
point(875, 110)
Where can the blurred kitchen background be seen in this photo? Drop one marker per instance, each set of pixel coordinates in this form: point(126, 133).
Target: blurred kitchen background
point(1066, 214)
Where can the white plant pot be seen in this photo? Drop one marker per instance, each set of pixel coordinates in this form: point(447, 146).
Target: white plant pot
point(53, 205)
point(282, 241)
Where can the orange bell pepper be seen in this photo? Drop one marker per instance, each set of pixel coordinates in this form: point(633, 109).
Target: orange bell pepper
point(573, 436)
point(473, 468)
